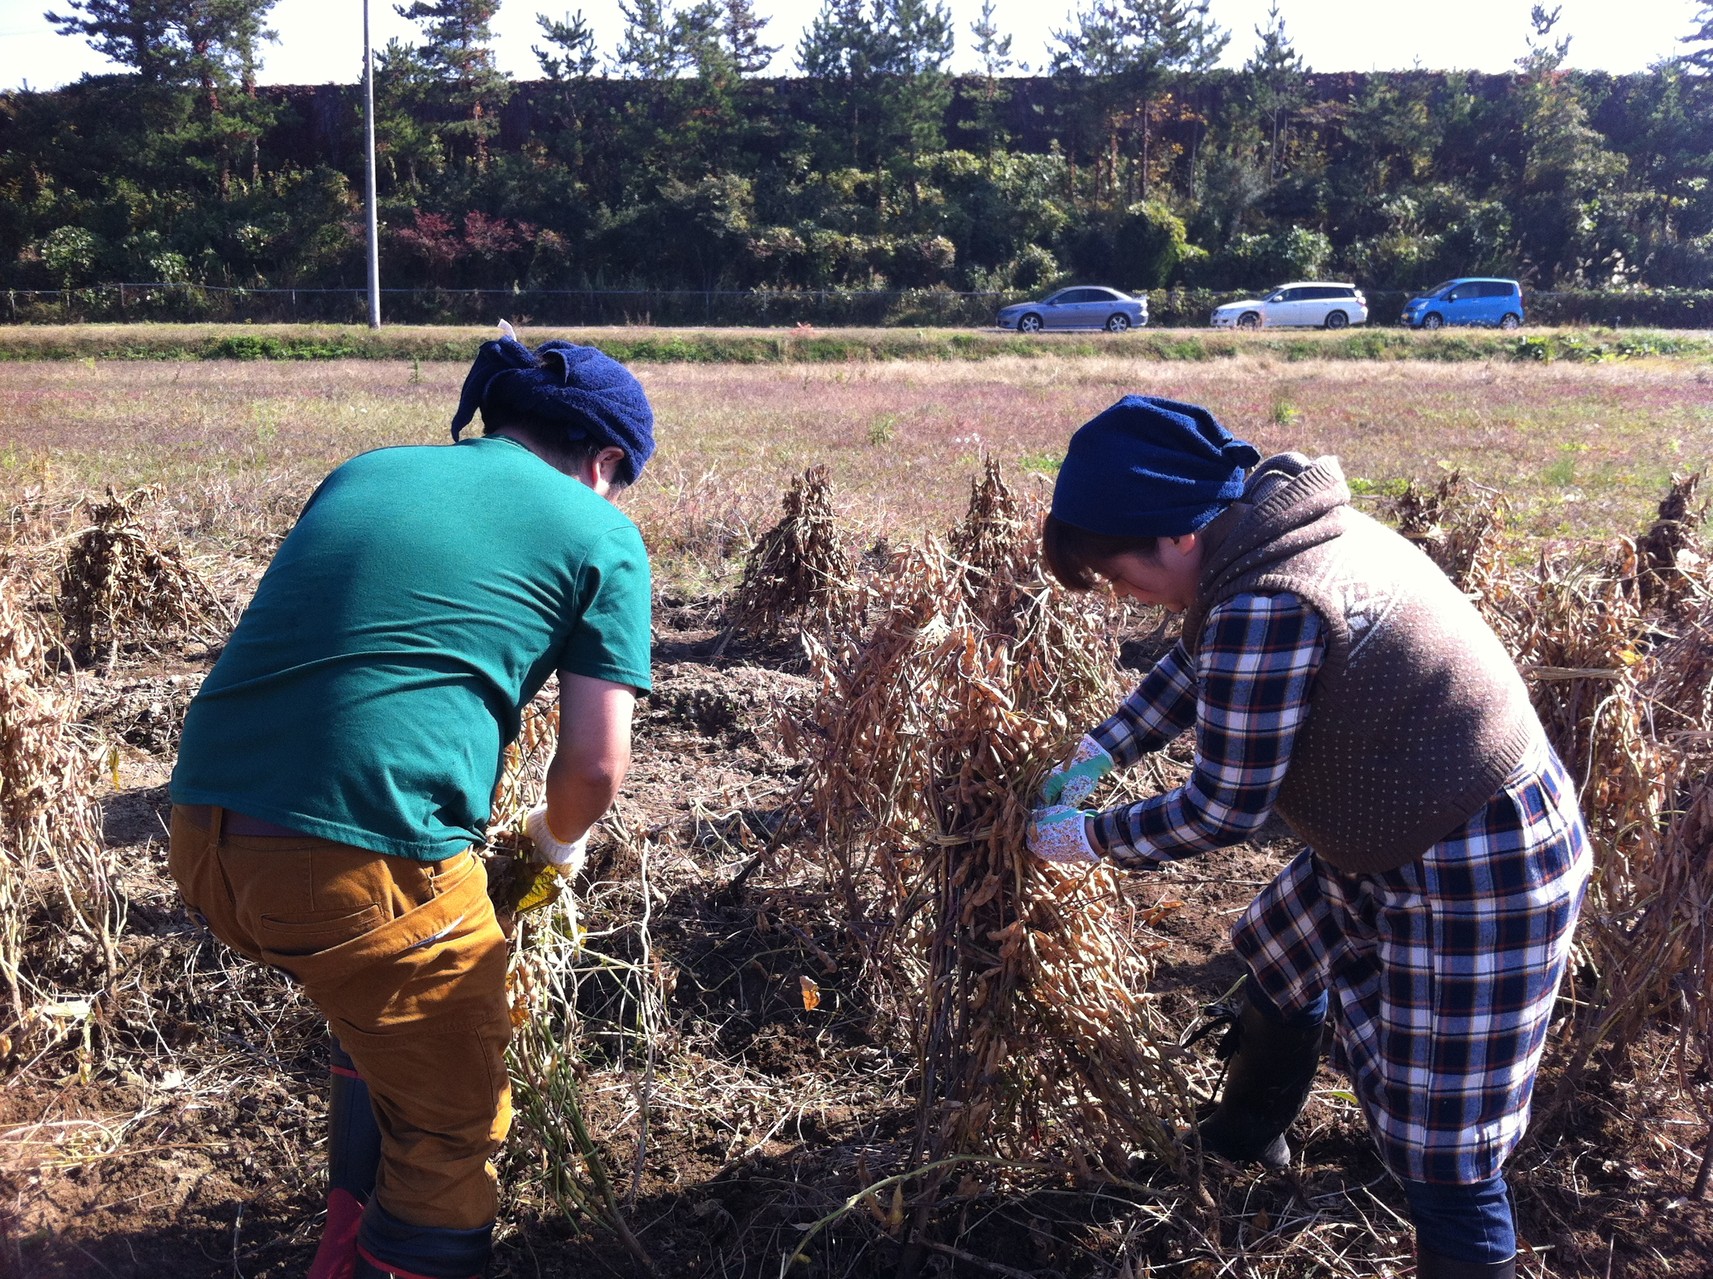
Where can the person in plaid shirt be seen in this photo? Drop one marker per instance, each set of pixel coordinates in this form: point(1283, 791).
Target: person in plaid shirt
point(1334, 676)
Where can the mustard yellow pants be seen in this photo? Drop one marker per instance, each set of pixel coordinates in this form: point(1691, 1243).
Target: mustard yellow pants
point(408, 964)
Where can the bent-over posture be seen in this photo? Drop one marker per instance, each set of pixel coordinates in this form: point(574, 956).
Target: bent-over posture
point(1333, 675)
point(338, 765)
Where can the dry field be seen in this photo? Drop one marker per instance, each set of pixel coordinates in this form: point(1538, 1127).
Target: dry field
point(791, 1030)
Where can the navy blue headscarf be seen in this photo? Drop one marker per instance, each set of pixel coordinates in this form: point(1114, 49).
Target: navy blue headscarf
point(586, 391)
point(1150, 467)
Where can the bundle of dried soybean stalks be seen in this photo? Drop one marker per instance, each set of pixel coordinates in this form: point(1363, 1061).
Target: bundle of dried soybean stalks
point(798, 572)
point(1024, 982)
point(60, 912)
point(120, 581)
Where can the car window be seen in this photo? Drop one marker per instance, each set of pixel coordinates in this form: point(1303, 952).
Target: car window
point(1440, 290)
point(1277, 295)
point(1063, 295)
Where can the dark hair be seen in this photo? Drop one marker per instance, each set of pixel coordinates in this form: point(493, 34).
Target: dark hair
point(546, 440)
point(1075, 556)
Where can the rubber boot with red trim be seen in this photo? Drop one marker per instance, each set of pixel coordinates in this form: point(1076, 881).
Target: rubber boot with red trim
point(388, 1248)
point(353, 1155)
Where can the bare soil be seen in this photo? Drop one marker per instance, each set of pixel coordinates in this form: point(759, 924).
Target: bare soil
point(183, 1136)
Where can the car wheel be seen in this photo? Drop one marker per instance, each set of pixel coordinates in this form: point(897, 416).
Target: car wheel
point(1030, 323)
point(1249, 320)
point(1433, 320)
point(1511, 321)
point(1336, 319)
point(1117, 324)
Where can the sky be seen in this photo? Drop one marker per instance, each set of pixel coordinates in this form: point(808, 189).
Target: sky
point(321, 40)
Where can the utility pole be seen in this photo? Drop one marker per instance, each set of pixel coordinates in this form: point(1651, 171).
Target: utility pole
point(369, 135)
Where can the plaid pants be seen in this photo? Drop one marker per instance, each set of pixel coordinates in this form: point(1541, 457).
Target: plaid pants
point(1441, 974)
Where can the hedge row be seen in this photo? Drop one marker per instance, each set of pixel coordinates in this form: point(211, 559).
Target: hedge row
point(827, 308)
point(808, 345)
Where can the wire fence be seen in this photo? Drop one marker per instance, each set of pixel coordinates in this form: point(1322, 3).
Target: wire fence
point(770, 308)
point(133, 302)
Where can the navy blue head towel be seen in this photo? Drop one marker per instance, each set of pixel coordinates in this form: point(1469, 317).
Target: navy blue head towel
point(586, 391)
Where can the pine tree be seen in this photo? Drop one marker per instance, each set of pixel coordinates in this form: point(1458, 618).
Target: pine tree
point(458, 49)
point(569, 62)
point(838, 53)
point(570, 55)
point(212, 44)
point(1128, 47)
point(993, 53)
point(1277, 80)
point(652, 47)
point(1700, 40)
point(742, 31)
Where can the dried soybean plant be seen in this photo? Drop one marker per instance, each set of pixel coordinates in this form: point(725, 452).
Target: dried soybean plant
point(578, 981)
point(1580, 639)
point(1023, 982)
point(798, 571)
point(1690, 841)
point(1461, 526)
point(60, 912)
point(1671, 556)
point(993, 553)
point(120, 581)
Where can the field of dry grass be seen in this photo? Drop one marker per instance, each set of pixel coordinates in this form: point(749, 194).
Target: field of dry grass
point(1579, 450)
point(740, 1040)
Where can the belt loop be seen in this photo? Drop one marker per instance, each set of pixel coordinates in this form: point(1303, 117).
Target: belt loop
point(216, 825)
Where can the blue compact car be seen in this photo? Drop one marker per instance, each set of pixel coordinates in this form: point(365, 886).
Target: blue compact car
point(1493, 303)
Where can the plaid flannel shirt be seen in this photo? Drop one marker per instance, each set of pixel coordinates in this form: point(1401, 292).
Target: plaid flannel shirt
point(1246, 693)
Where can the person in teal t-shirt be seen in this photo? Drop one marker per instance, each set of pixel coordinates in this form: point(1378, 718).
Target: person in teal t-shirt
point(338, 765)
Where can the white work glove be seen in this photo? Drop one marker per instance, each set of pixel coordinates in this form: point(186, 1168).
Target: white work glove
point(1075, 779)
point(1059, 834)
point(549, 848)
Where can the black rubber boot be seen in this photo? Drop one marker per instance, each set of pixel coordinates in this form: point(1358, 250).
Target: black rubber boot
point(388, 1248)
point(1270, 1068)
point(1430, 1265)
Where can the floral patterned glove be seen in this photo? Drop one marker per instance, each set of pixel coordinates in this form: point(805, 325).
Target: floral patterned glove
point(1075, 779)
point(1060, 834)
point(567, 858)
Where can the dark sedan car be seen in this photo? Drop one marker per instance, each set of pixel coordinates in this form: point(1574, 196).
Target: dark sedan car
point(1082, 307)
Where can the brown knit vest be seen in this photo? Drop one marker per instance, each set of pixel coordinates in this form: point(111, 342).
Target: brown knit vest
point(1418, 713)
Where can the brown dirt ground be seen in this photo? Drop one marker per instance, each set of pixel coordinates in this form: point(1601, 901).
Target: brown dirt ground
point(188, 1144)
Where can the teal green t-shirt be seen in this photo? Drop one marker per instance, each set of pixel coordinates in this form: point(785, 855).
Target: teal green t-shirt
point(422, 599)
